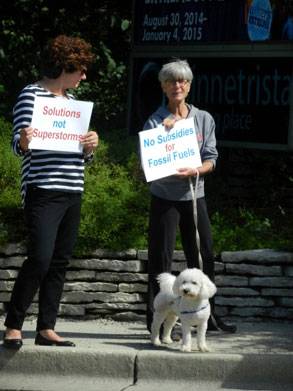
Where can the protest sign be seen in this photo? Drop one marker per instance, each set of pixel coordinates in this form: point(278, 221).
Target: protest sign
point(58, 124)
point(164, 151)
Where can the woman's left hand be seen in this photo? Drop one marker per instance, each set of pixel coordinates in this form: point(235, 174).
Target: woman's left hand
point(90, 141)
point(186, 172)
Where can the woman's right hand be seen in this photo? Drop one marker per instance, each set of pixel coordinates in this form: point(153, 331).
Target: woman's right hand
point(169, 122)
point(26, 135)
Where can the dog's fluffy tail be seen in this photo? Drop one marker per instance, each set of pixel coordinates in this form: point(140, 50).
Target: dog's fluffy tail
point(166, 281)
point(165, 297)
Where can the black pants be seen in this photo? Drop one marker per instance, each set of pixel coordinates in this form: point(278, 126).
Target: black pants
point(53, 220)
point(165, 217)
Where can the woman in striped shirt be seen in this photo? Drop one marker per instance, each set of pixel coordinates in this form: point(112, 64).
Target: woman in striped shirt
point(51, 188)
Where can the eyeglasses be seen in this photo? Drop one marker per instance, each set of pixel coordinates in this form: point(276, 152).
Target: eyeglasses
point(173, 82)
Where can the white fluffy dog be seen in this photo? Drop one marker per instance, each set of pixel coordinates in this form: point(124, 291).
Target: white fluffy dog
point(185, 297)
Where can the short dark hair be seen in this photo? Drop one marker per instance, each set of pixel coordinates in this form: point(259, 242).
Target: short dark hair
point(65, 53)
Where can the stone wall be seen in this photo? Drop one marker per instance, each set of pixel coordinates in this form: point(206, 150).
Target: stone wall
point(253, 285)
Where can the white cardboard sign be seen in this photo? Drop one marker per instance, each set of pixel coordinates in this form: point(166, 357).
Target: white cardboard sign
point(164, 151)
point(59, 123)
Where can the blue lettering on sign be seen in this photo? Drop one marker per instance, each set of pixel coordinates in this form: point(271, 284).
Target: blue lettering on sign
point(148, 142)
point(259, 20)
point(159, 161)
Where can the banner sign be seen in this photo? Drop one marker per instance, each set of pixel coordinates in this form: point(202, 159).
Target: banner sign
point(164, 151)
point(190, 21)
point(59, 124)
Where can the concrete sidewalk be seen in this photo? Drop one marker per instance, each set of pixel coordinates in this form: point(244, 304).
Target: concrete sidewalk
point(116, 356)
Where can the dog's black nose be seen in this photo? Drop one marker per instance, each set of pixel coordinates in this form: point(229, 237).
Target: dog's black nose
point(185, 291)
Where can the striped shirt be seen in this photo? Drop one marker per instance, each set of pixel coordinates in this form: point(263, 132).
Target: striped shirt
point(52, 170)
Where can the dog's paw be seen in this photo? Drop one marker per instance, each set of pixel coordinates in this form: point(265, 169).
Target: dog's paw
point(185, 348)
point(204, 348)
point(167, 340)
point(156, 341)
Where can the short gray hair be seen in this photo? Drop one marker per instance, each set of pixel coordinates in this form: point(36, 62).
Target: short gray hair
point(175, 68)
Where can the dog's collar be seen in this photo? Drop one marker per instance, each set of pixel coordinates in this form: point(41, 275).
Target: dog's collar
point(193, 312)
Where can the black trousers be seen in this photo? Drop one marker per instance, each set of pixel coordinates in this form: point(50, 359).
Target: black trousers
point(165, 218)
point(53, 219)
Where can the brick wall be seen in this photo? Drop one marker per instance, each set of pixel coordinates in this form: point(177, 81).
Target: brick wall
point(253, 285)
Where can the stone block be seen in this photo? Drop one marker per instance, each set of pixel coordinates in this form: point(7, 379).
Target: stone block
point(249, 311)
point(81, 275)
point(5, 297)
point(112, 254)
point(255, 270)
point(278, 313)
point(13, 248)
point(271, 281)
point(221, 311)
point(90, 286)
point(285, 302)
point(277, 292)
point(6, 286)
point(178, 255)
point(87, 297)
point(116, 306)
point(142, 255)
point(222, 280)
point(6, 263)
point(64, 309)
point(132, 288)
point(113, 265)
point(71, 310)
point(178, 266)
point(128, 316)
point(8, 274)
point(219, 267)
point(222, 291)
point(257, 256)
point(244, 302)
point(33, 309)
point(121, 277)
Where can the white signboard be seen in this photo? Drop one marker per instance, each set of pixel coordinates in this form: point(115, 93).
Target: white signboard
point(59, 123)
point(164, 151)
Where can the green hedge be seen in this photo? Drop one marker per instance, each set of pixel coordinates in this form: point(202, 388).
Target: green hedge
point(116, 198)
point(116, 201)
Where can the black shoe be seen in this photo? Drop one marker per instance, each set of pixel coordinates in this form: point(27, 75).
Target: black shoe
point(12, 343)
point(47, 342)
point(217, 324)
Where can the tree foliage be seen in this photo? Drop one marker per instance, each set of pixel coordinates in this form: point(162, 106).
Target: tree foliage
point(25, 27)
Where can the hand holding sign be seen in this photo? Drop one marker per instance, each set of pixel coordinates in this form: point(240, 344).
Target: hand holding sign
point(26, 135)
point(163, 151)
point(89, 141)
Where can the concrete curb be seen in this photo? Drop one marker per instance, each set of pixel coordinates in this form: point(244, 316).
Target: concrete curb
point(273, 370)
point(116, 356)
